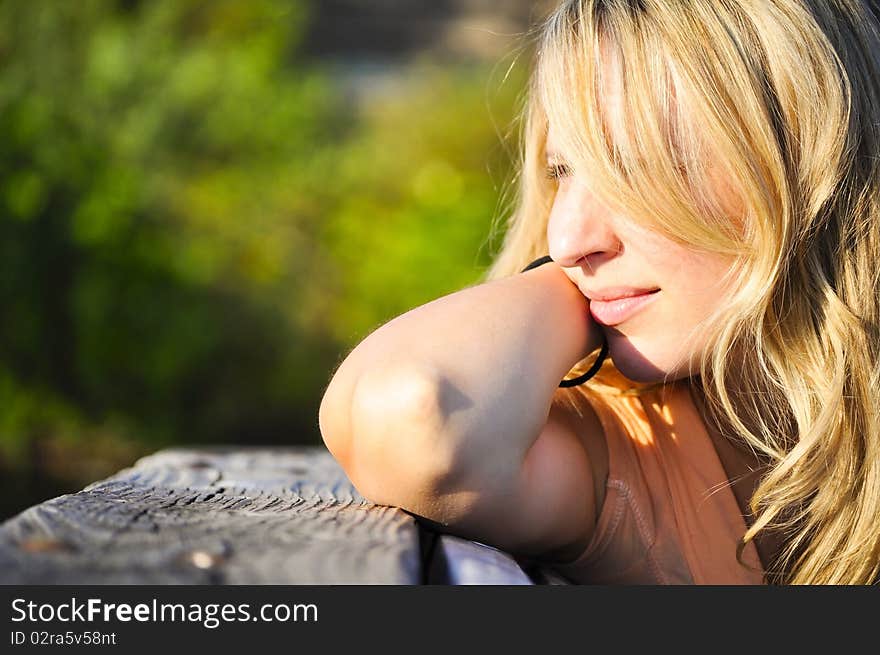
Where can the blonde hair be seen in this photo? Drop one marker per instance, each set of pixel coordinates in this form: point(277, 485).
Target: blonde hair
point(786, 92)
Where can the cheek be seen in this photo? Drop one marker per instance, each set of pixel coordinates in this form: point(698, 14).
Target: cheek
point(696, 273)
point(698, 292)
point(698, 297)
point(695, 286)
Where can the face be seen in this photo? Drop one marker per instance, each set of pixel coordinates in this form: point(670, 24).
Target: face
point(650, 337)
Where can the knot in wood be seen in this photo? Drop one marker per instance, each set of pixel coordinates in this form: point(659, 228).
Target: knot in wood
point(202, 559)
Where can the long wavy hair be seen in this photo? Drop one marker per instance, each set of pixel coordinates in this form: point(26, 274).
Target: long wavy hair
point(787, 92)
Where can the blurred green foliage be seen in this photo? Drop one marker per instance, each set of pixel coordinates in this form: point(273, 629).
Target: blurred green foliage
point(198, 221)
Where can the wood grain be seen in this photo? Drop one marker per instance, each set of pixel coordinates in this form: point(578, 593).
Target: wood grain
point(214, 516)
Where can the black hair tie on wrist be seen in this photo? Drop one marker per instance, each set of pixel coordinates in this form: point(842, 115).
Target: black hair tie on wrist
point(603, 353)
point(546, 259)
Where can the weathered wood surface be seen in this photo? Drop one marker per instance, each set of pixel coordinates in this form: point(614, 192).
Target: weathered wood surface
point(244, 516)
point(238, 516)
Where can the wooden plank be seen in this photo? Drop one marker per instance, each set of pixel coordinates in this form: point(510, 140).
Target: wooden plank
point(214, 516)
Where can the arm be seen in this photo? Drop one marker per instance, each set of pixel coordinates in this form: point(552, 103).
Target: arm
point(446, 410)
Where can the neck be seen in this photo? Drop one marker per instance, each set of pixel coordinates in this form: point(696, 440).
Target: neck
point(744, 470)
point(717, 419)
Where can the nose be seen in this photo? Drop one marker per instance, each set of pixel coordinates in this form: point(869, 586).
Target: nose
point(580, 229)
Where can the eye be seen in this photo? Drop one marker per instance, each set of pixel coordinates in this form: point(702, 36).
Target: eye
point(557, 171)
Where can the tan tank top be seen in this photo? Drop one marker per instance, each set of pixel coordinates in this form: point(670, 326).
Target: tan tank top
point(669, 514)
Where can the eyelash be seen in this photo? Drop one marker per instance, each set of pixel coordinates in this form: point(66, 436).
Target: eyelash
point(557, 171)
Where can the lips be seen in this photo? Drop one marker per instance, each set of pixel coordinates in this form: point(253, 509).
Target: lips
point(614, 311)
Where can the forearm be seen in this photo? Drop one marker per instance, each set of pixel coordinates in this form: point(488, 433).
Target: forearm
point(493, 353)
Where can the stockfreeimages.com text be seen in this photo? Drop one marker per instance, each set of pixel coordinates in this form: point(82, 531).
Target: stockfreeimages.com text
point(210, 615)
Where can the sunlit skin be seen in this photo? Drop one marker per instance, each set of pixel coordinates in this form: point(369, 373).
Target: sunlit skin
point(598, 249)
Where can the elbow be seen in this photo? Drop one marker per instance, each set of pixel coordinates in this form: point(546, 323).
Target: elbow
point(397, 450)
point(334, 422)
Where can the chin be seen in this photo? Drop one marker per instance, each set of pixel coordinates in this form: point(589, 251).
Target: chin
point(640, 366)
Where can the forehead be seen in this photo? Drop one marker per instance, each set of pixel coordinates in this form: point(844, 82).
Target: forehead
point(612, 99)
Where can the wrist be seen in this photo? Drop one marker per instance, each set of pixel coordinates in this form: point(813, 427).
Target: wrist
point(573, 311)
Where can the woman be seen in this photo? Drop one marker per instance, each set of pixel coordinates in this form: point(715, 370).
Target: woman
point(717, 163)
